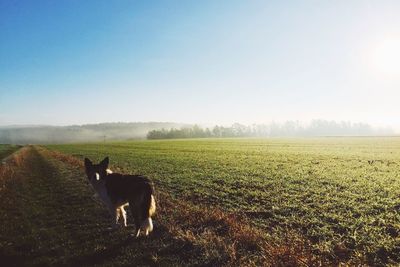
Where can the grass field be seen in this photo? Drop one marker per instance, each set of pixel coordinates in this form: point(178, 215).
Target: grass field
point(232, 202)
point(341, 194)
point(6, 150)
point(50, 217)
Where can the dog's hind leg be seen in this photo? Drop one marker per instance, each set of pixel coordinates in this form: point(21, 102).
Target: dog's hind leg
point(138, 220)
point(148, 209)
point(136, 217)
point(147, 226)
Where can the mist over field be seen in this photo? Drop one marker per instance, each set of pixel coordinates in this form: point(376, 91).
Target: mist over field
point(168, 130)
point(79, 133)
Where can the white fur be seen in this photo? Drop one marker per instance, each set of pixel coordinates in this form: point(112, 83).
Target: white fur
point(121, 213)
point(97, 176)
point(147, 226)
point(109, 171)
point(152, 209)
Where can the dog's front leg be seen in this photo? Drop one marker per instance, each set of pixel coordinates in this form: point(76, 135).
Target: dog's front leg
point(114, 212)
point(123, 213)
point(117, 212)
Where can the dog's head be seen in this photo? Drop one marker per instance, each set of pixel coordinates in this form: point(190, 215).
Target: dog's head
point(96, 172)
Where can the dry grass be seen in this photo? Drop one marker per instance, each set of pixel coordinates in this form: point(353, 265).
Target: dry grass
point(228, 239)
point(66, 158)
point(10, 164)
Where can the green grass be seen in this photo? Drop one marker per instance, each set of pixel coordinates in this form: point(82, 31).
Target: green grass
point(342, 194)
point(6, 150)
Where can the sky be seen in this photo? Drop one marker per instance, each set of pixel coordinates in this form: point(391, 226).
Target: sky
point(206, 62)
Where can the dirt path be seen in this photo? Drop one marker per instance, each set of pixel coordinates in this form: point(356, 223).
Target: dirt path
point(50, 217)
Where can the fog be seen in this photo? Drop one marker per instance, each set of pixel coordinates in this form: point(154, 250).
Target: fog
point(79, 133)
point(104, 132)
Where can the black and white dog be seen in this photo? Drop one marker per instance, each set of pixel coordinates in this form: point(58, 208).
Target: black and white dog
point(118, 191)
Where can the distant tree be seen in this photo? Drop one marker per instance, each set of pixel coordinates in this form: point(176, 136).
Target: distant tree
point(216, 131)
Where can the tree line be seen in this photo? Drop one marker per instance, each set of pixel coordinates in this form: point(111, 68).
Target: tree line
point(167, 130)
point(286, 129)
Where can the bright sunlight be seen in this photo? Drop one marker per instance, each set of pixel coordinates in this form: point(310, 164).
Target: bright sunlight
point(387, 57)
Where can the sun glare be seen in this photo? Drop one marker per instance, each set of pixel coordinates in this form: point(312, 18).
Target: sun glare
point(387, 57)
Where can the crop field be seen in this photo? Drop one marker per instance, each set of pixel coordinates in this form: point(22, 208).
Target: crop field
point(231, 202)
point(341, 194)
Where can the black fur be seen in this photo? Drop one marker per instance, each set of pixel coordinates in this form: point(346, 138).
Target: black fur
point(136, 190)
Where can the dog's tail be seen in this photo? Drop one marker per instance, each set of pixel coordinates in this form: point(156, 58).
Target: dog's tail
point(149, 209)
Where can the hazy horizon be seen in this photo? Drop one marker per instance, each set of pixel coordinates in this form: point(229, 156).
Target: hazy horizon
point(199, 62)
point(167, 130)
point(205, 125)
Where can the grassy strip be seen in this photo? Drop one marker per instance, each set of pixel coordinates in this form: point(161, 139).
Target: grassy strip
point(6, 150)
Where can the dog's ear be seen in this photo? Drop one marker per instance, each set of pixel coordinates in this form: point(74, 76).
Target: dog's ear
point(104, 162)
point(88, 163)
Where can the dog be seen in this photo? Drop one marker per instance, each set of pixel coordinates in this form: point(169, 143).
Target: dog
point(118, 191)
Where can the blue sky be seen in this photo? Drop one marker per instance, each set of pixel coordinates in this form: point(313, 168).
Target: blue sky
point(75, 62)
